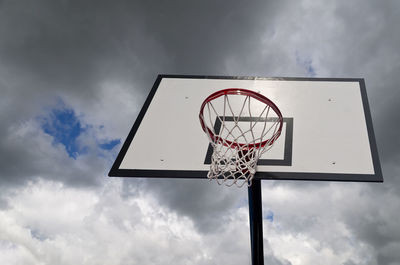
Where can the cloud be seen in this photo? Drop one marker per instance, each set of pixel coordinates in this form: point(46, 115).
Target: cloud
point(51, 223)
point(50, 55)
point(58, 146)
point(306, 230)
point(101, 58)
point(209, 205)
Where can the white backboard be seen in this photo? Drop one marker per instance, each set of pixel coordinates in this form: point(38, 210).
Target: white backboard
point(327, 132)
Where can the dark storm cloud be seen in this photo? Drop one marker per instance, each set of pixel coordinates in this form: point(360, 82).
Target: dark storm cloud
point(52, 48)
point(68, 48)
point(206, 204)
point(48, 49)
point(72, 45)
point(201, 35)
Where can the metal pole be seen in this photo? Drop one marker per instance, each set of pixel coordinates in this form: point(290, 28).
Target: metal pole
point(256, 223)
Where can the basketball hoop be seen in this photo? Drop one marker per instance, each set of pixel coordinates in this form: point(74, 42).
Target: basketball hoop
point(241, 125)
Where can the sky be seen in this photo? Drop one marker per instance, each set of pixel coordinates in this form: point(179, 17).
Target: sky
point(73, 77)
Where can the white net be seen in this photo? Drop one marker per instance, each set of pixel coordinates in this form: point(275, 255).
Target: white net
point(240, 129)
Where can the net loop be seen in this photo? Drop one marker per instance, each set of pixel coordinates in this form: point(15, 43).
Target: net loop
point(241, 125)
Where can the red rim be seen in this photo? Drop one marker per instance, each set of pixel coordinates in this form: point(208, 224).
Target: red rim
point(245, 92)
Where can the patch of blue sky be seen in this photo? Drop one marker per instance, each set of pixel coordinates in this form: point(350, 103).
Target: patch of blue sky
point(38, 235)
point(307, 64)
point(269, 215)
point(65, 127)
point(310, 69)
point(110, 144)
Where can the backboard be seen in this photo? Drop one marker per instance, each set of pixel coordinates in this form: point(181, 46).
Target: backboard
point(327, 130)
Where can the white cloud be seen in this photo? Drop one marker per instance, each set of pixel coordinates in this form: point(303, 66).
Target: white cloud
point(49, 223)
point(334, 222)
